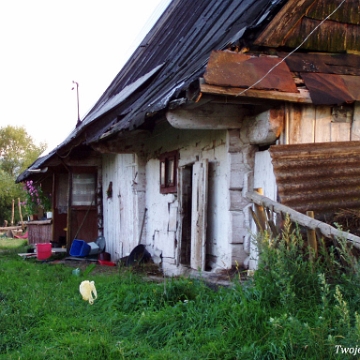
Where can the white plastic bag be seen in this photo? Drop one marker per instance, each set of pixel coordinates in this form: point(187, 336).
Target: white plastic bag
point(87, 289)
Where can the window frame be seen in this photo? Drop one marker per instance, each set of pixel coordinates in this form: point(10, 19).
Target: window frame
point(167, 185)
point(78, 203)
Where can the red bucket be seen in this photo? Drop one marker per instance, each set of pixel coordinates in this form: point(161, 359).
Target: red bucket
point(43, 251)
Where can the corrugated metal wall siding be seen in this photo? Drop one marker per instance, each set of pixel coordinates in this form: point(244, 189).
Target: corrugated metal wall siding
point(322, 177)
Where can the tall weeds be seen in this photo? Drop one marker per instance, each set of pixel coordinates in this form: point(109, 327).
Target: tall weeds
point(291, 309)
point(317, 302)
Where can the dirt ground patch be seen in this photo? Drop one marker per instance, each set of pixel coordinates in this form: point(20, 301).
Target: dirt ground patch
point(149, 269)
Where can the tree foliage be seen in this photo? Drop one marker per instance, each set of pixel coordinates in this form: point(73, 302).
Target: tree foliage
point(17, 152)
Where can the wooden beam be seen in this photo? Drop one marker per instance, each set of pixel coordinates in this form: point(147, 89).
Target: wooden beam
point(7, 228)
point(303, 96)
point(211, 117)
point(265, 127)
point(128, 142)
point(325, 229)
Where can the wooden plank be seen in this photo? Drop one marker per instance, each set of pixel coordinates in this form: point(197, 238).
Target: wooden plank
point(340, 131)
point(39, 233)
point(345, 14)
point(355, 128)
point(40, 222)
point(340, 63)
point(307, 134)
point(303, 96)
point(294, 133)
point(199, 215)
point(6, 228)
point(258, 224)
point(301, 219)
point(323, 124)
point(282, 24)
point(330, 36)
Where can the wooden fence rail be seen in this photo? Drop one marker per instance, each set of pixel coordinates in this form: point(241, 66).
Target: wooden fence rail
point(304, 220)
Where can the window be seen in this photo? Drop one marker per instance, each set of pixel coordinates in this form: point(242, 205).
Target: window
point(168, 171)
point(83, 192)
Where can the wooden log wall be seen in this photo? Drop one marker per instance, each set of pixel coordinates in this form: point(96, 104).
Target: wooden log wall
point(314, 124)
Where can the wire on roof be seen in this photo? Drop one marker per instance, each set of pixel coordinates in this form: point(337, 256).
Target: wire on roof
point(291, 52)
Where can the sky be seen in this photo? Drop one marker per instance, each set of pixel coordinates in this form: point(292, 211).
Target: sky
point(48, 44)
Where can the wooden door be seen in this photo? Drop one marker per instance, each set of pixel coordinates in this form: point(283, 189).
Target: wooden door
point(83, 207)
point(185, 196)
point(199, 214)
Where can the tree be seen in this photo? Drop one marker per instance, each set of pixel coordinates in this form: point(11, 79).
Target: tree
point(17, 152)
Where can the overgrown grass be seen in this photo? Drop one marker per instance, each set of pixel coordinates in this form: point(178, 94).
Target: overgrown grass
point(12, 244)
point(291, 309)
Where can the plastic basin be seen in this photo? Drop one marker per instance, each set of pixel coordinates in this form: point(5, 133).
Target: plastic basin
point(79, 248)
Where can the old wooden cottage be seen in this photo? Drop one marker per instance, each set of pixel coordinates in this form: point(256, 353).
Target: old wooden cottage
point(221, 97)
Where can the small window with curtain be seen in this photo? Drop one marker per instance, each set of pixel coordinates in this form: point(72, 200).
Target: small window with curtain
point(168, 172)
point(83, 192)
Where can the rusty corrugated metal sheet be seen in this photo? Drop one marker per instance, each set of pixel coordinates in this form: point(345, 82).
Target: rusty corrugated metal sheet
point(227, 68)
point(322, 177)
point(330, 89)
point(230, 69)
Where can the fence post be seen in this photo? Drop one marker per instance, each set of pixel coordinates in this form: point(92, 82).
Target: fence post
point(20, 214)
point(12, 212)
point(260, 211)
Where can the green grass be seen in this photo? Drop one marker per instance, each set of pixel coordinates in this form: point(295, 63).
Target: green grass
point(292, 309)
point(8, 243)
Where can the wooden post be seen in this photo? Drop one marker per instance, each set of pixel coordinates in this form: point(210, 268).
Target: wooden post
point(270, 221)
point(20, 213)
point(12, 212)
point(260, 212)
point(257, 221)
point(311, 236)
